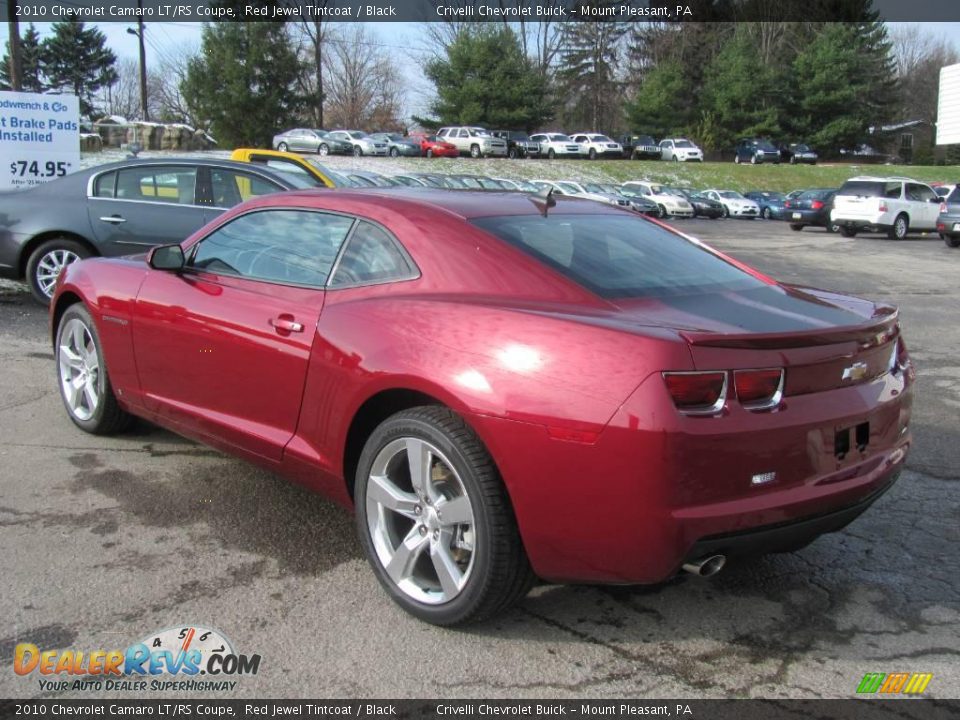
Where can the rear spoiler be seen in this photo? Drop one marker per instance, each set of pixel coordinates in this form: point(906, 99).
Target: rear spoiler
point(866, 336)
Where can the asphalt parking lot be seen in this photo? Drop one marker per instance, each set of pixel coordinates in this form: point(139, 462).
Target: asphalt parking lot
point(106, 540)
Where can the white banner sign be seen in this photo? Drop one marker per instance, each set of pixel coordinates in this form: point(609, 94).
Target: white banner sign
point(948, 110)
point(39, 138)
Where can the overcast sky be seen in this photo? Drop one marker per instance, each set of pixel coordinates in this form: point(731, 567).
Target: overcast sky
point(401, 40)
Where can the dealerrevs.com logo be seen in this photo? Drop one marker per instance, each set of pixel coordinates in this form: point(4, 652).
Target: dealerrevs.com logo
point(182, 658)
point(899, 683)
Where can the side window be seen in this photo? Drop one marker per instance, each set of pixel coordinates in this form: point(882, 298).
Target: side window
point(664, 144)
point(231, 187)
point(920, 193)
point(892, 191)
point(371, 256)
point(283, 246)
point(105, 185)
point(158, 183)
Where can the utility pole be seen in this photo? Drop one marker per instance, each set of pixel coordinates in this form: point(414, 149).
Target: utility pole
point(143, 62)
point(16, 79)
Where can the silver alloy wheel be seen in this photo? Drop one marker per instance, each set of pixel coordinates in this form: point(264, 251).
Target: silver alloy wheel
point(323, 149)
point(50, 267)
point(900, 227)
point(420, 521)
point(79, 369)
point(282, 147)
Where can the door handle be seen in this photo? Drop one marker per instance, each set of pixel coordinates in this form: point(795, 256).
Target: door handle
point(285, 323)
point(115, 219)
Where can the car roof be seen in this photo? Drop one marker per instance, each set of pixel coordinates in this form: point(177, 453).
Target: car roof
point(465, 204)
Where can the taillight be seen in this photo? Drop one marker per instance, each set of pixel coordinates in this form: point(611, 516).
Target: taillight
point(787, 204)
point(900, 362)
point(943, 207)
point(883, 207)
point(816, 204)
point(697, 393)
point(759, 389)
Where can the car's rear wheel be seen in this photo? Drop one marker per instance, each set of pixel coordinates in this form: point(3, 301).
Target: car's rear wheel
point(282, 147)
point(736, 159)
point(429, 152)
point(84, 384)
point(848, 232)
point(551, 154)
point(900, 227)
point(512, 153)
point(726, 211)
point(323, 149)
point(661, 211)
point(592, 154)
point(795, 227)
point(952, 240)
point(435, 520)
point(394, 152)
point(47, 262)
point(357, 151)
point(475, 151)
point(753, 159)
point(766, 213)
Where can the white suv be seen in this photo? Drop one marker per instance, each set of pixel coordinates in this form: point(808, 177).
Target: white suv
point(554, 144)
point(473, 141)
point(892, 205)
point(680, 150)
point(594, 145)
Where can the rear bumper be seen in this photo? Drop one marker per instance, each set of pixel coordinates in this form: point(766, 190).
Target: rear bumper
point(807, 217)
point(657, 488)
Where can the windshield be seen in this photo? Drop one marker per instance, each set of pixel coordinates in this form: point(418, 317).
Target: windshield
point(321, 133)
point(358, 134)
point(453, 183)
point(338, 179)
point(672, 191)
point(300, 179)
point(520, 136)
point(479, 132)
point(619, 257)
point(730, 195)
point(630, 192)
point(593, 187)
point(408, 181)
point(600, 138)
point(765, 146)
point(525, 186)
point(557, 137)
point(683, 144)
point(801, 148)
point(644, 140)
point(569, 188)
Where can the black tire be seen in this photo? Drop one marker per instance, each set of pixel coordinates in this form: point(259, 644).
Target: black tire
point(795, 227)
point(765, 213)
point(952, 241)
point(40, 259)
point(108, 418)
point(357, 151)
point(900, 227)
point(726, 211)
point(323, 149)
point(512, 153)
point(848, 232)
point(676, 158)
point(394, 152)
point(475, 152)
point(501, 574)
point(661, 212)
point(282, 147)
point(551, 154)
point(592, 154)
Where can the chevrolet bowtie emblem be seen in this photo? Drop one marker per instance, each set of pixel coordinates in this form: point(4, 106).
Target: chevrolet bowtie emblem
point(857, 371)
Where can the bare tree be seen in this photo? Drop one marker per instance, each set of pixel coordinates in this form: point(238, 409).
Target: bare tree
point(363, 88)
point(314, 34)
point(170, 74)
point(919, 57)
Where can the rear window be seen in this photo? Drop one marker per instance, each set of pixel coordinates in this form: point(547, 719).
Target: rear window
point(870, 188)
point(618, 257)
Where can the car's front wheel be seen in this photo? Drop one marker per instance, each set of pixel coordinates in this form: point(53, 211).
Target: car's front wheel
point(47, 262)
point(593, 154)
point(475, 151)
point(766, 213)
point(429, 152)
point(84, 384)
point(661, 211)
point(847, 232)
point(796, 227)
point(282, 147)
point(323, 149)
point(394, 152)
point(435, 520)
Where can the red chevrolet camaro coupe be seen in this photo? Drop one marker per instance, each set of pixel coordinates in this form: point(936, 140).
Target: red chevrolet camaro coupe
point(503, 386)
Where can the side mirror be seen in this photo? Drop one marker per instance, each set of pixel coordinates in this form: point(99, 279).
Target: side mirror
point(166, 257)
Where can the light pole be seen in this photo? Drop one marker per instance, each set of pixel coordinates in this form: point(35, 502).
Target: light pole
point(143, 63)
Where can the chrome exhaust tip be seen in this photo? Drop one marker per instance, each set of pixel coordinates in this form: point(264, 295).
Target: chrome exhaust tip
point(706, 566)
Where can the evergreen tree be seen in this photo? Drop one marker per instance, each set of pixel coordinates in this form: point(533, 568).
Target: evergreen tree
point(832, 109)
point(660, 107)
point(741, 93)
point(589, 58)
point(31, 66)
point(76, 59)
point(243, 82)
point(486, 80)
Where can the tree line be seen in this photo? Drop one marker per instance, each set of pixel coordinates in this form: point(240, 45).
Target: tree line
point(818, 81)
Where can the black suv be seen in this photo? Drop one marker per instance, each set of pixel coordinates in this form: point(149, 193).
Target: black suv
point(519, 144)
point(756, 151)
point(640, 147)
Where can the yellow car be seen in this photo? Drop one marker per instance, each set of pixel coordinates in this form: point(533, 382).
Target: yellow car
point(292, 163)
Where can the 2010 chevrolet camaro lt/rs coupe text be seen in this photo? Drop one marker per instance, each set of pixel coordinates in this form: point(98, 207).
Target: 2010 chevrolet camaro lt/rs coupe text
point(505, 386)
